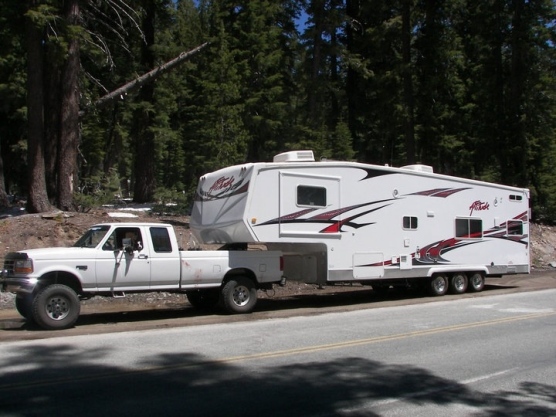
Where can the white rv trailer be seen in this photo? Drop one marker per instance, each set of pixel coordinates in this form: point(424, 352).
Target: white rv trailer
point(346, 221)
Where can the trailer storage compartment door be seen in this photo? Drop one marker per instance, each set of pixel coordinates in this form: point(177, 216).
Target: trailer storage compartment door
point(368, 265)
point(309, 205)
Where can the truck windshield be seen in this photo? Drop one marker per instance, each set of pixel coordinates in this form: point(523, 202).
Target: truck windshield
point(92, 237)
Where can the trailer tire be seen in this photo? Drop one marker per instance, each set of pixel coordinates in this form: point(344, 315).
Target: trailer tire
point(476, 282)
point(458, 283)
point(238, 295)
point(56, 307)
point(24, 306)
point(438, 285)
point(203, 299)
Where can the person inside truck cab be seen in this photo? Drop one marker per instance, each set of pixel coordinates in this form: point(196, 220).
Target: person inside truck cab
point(110, 244)
point(134, 237)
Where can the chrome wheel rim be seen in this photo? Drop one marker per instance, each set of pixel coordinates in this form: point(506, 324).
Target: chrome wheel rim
point(58, 307)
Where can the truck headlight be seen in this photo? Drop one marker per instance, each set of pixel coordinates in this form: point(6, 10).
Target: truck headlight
point(23, 266)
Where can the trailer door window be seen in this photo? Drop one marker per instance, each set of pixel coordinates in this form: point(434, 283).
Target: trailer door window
point(469, 228)
point(409, 223)
point(311, 196)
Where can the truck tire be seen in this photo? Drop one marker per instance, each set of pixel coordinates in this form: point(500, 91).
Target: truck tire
point(238, 295)
point(438, 284)
point(203, 299)
point(56, 307)
point(24, 306)
point(476, 282)
point(458, 283)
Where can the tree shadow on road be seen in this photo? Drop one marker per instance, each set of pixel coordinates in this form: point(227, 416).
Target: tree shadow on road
point(58, 379)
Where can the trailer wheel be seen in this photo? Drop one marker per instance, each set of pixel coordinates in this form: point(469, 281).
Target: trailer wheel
point(24, 306)
point(203, 299)
point(56, 307)
point(476, 282)
point(239, 295)
point(458, 283)
point(438, 284)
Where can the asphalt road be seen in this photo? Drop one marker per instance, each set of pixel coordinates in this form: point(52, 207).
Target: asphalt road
point(492, 355)
point(120, 315)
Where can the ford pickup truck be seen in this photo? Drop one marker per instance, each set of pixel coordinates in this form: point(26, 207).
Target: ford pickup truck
point(113, 259)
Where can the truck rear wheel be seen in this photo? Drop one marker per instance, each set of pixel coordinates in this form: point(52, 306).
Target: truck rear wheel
point(202, 299)
point(56, 307)
point(239, 295)
point(458, 283)
point(476, 282)
point(438, 284)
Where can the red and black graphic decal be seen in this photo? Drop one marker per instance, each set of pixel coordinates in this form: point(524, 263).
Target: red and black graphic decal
point(335, 226)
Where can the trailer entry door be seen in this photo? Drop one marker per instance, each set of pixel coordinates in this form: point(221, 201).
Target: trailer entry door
point(309, 205)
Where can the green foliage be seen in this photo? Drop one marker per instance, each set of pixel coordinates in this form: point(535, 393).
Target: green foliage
point(172, 202)
point(475, 88)
point(98, 190)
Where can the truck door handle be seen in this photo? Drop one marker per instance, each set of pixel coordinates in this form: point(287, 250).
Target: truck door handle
point(142, 256)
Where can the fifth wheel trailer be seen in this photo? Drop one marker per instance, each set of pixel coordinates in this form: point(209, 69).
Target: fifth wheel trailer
point(338, 221)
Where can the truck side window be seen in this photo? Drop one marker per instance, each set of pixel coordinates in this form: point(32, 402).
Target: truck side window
point(129, 235)
point(161, 239)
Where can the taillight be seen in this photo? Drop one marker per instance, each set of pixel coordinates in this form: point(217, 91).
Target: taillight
point(23, 266)
point(281, 263)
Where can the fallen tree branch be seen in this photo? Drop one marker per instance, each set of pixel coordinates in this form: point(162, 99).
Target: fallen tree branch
point(142, 80)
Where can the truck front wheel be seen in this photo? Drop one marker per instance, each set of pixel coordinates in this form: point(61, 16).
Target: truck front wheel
point(24, 306)
point(56, 307)
point(239, 295)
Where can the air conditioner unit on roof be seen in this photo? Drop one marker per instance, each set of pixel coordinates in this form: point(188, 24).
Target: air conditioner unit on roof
point(295, 156)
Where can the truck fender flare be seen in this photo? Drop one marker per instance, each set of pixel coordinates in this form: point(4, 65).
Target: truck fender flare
point(245, 272)
point(60, 276)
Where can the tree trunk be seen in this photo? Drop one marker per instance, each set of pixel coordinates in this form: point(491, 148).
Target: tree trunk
point(53, 85)
point(37, 201)
point(69, 126)
point(409, 123)
point(145, 157)
point(3, 195)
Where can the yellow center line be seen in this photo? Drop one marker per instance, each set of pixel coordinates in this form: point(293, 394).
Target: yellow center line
point(279, 353)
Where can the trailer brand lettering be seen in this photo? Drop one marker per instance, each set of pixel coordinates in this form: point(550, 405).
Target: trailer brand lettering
point(478, 206)
point(222, 183)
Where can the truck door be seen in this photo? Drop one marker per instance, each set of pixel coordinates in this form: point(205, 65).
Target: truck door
point(308, 203)
point(120, 269)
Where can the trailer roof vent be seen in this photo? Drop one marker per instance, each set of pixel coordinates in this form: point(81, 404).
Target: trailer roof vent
point(295, 156)
point(419, 168)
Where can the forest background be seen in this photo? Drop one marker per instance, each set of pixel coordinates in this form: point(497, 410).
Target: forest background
point(466, 86)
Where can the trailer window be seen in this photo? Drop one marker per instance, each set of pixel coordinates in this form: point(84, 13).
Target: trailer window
point(515, 228)
point(311, 196)
point(161, 239)
point(514, 197)
point(409, 223)
point(469, 228)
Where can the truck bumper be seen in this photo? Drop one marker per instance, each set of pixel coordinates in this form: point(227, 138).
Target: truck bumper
point(18, 285)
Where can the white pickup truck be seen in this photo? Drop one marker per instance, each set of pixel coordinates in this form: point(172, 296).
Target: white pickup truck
point(116, 258)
